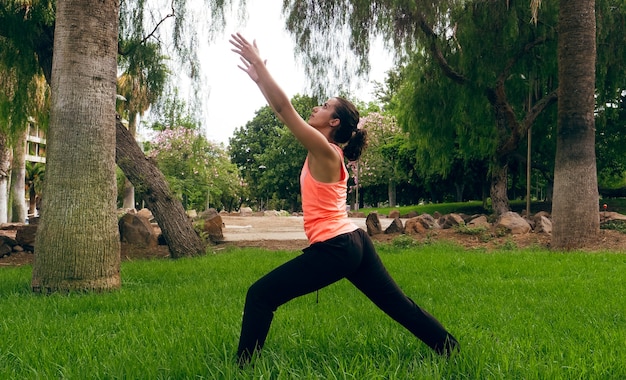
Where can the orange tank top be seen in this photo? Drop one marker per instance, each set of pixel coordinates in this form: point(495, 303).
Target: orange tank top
point(324, 205)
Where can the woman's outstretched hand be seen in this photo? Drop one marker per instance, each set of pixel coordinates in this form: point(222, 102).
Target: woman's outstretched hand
point(248, 53)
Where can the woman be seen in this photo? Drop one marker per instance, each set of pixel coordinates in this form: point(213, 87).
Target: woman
point(338, 248)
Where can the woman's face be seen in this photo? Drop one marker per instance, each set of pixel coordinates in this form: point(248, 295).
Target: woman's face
point(324, 115)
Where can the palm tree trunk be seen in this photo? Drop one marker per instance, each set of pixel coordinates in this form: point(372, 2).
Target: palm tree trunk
point(77, 246)
point(575, 215)
point(129, 189)
point(5, 167)
point(18, 180)
point(168, 211)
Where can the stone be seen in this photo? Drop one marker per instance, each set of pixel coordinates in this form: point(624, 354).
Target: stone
point(451, 220)
point(25, 236)
point(372, 222)
point(145, 213)
point(137, 230)
point(415, 226)
point(513, 223)
point(543, 224)
point(213, 227)
point(479, 221)
point(395, 227)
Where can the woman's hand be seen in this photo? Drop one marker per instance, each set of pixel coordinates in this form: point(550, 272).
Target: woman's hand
point(249, 55)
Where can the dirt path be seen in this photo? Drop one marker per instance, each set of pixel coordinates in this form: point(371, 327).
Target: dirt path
point(238, 228)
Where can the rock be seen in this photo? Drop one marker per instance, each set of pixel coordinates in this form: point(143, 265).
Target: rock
point(373, 224)
point(479, 221)
point(25, 236)
point(428, 221)
point(5, 250)
point(137, 230)
point(415, 226)
point(145, 213)
point(393, 214)
point(450, 220)
point(245, 211)
point(513, 223)
point(395, 227)
point(214, 228)
point(543, 224)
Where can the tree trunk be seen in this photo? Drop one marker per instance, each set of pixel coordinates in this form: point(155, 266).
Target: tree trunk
point(129, 189)
point(499, 198)
point(168, 211)
point(78, 243)
point(18, 180)
point(5, 167)
point(575, 215)
point(391, 193)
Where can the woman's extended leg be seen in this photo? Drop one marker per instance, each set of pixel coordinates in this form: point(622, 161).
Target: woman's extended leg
point(375, 282)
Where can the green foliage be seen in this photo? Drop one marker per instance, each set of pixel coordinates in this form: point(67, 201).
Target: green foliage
point(197, 170)
point(615, 225)
point(270, 158)
point(469, 230)
point(573, 301)
point(404, 241)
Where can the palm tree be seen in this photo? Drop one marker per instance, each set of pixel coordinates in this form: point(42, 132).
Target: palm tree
point(35, 173)
point(575, 216)
point(78, 242)
point(140, 86)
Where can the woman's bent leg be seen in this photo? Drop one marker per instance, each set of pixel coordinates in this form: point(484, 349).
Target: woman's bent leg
point(317, 267)
point(375, 282)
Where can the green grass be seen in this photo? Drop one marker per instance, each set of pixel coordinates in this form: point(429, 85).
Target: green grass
point(528, 314)
point(476, 207)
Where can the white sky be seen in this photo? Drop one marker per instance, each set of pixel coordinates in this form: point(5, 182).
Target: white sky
point(233, 98)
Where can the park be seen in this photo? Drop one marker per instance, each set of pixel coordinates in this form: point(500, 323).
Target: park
point(496, 112)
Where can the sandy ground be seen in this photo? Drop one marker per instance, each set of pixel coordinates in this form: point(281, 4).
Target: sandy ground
point(238, 228)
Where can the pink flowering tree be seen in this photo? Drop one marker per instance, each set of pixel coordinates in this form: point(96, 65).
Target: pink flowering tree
point(382, 161)
point(198, 171)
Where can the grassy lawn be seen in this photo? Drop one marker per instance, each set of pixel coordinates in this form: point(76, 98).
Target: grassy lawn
point(476, 207)
point(529, 314)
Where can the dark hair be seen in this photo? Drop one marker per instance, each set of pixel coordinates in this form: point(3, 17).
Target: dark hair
point(348, 131)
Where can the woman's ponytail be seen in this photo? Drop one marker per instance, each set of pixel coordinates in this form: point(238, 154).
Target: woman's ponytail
point(348, 131)
point(352, 151)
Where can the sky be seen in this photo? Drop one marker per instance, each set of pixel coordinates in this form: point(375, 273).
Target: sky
point(232, 98)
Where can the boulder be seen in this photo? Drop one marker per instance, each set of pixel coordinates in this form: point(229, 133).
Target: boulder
point(25, 236)
point(450, 220)
point(393, 214)
point(415, 226)
point(479, 221)
point(395, 227)
point(145, 213)
point(543, 224)
point(513, 223)
point(213, 225)
point(137, 230)
point(373, 224)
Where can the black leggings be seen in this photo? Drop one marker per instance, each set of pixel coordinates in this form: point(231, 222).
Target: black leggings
point(352, 256)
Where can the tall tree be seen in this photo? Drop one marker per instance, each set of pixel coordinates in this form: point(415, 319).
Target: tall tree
point(141, 84)
point(477, 45)
point(78, 244)
point(27, 32)
point(575, 216)
point(269, 157)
